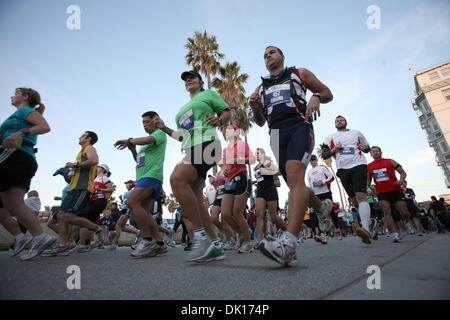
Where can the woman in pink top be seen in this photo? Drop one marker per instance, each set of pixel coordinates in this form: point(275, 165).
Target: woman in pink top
point(237, 185)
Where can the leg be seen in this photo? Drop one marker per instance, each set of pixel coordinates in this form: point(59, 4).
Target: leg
point(140, 203)
point(260, 217)
point(9, 223)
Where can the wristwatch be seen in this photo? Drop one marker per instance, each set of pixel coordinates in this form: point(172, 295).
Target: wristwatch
point(318, 95)
point(25, 132)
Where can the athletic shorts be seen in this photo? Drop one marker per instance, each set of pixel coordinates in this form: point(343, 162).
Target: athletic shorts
point(412, 208)
point(239, 185)
point(77, 201)
point(217, 203)
point(268, 192)
point(324, 196)
point(125, 211)
point(294, 143)
point(204, 156)
point(17, 170)
point(391, 197)
point(354, 179)
point(376, 213)
point(95, 209)
point(147, 183)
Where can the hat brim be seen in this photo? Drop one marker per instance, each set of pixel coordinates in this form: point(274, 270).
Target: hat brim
point(186, 74)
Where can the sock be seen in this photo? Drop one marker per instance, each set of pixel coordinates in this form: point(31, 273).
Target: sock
point(291, 237)
point(201, 234)
point(364, 213)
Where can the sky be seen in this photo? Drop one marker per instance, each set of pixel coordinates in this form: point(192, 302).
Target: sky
point(127, 56)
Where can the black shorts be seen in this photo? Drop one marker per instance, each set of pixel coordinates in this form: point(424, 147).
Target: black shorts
point(125, 211)
point(391, 197)
point(95, 209)
point(376, 213)
point(412, 208)
point(204, 156)
point(17, 170)
point(217, 203)
point(267, 191)
point(324, 196)
point(354, 179)
point(77, 201)
point(239, 185)
point(294, 143)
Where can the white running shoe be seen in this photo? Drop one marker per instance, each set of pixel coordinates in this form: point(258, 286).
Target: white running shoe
point(38, 245)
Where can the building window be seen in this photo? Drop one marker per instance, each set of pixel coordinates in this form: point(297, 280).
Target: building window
point(446, 94)
point(434, 125)
point(425, 106)
point(433, 76)
point(444, 147)
point(445, 71)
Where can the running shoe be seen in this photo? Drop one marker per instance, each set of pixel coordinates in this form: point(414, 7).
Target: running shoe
point(281, 250)
point(20, 243)
point(38, 245)
point(364, 235)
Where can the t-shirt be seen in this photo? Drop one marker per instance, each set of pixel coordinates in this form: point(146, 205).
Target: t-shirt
point(370, 196)
point(150, 158)
point(190, 119)
point(16, 122)
point(125, 197)
point(234, 158)
point(210, 194)
point(348, 156)
point(100, 182)
point(409, 195)
point(320, 173)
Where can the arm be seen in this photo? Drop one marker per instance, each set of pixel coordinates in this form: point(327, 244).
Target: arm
point(328, 175)
point(327, 152)
point(369, 179)
point(257, 107)
point(40, 126)
point(400, 170)
point(363, 145)
point(269, 168)
point(110, 188)
point(220, 121)
point(321, 94)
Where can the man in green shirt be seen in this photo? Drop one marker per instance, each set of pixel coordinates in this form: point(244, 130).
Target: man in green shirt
point(149, 177)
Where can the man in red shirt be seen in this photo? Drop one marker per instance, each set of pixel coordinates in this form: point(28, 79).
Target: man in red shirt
point(389, 189)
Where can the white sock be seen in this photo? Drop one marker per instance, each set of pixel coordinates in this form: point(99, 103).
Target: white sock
point(292, 237)
point(201, 234)
point(364, 213)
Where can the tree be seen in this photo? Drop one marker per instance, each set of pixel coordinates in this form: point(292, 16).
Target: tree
point(203, 54)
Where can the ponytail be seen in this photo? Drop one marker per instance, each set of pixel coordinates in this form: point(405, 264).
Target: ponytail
point(40, 108)
point(34, 99)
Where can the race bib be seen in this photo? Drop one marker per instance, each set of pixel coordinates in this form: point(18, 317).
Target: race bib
point(187, 121)
point(140, 160)
point(381, 175)
point(230, 186)
point(346, 151)
point(258, 176)
point(278, 94)
point(220, 192)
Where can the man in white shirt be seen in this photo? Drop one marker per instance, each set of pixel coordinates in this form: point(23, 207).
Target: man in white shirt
point(319, 179)
point(347, 147)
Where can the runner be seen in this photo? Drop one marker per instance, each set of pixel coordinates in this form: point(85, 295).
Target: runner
point(18, 136)
point(281, 101)
point(149, 177)
point(237, 186)
point(347, 147)
point(103, 187)
point(76, 204)
point(410, 197)
point(389, 189)
point(267, 195)
point(319, 180)
point(196, 122)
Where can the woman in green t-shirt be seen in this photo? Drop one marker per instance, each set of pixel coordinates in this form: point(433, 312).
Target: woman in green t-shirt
point(17, 167)
point(196, 129)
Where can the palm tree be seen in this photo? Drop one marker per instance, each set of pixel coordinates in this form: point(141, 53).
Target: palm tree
point(203, 54)
point(329, 163)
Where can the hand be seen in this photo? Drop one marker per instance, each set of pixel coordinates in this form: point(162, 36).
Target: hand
point(70, 165)
point(401, 183)
point(159, 123)
point(121, 144)
point(362, 146)
point(11, 142)
point(255, 101)
point(213, 121)
point(313, 109)
point(336, 147)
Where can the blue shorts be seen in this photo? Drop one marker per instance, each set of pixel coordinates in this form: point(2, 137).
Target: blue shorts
point(77, 201)
point(155, 184)
point(294, 143)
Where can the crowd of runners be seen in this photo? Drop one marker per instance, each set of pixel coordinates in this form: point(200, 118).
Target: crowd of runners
point(86, 218)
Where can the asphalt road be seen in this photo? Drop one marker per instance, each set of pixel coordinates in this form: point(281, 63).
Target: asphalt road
point(416, 268)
